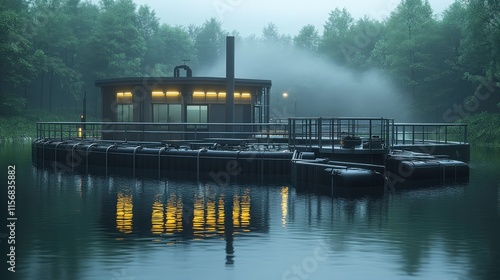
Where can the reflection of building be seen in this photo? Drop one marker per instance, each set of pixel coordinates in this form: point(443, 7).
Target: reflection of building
point(182, 99)
point(206, 218)
point(187, 214)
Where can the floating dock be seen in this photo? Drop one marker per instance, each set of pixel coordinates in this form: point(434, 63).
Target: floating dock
point(323, 155)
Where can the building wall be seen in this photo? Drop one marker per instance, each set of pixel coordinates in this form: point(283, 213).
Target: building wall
point(108, 97)
point(142, 101)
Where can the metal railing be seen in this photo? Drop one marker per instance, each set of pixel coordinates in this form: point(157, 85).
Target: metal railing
point(326, 133)
point(322, 133)
point(157, 132)
point(429, 133)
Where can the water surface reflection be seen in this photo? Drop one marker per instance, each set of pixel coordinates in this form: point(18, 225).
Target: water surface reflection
point(75, 226)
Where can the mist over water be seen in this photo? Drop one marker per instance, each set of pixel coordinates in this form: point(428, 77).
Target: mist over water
point(320, 88)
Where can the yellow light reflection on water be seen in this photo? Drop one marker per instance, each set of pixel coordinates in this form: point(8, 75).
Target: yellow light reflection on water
point(220, 215)
point(157, 218)
point(245, 211)
point(208, 214)
point(236, 212)
point(167, 218)
point(241, 212)
point(210, 220)
point(124, 212)
point(284, 205)
point(173, 215)
point(199, 216)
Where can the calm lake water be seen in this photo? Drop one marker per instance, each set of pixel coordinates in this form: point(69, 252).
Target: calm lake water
point(72, 226)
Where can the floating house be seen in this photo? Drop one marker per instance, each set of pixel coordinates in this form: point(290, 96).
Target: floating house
point(218, 128)
point(183, 99)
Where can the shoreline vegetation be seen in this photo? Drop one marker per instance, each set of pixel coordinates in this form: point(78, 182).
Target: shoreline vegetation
point(23, 125)
point(414, 63)
point(482, 130)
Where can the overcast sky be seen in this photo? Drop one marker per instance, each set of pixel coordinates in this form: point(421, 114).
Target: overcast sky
point(251, 16)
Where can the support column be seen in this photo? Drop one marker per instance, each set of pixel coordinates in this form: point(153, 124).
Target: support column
point(267, 100)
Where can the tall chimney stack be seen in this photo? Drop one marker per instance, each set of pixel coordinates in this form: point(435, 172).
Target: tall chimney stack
point(230, 79)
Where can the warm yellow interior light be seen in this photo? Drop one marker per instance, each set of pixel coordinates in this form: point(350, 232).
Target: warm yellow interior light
point(198, 93)
point(222, 94)
point(245, 95)
point(211, 93)
point(158, 93)
point(124, 97)
point(172, 93)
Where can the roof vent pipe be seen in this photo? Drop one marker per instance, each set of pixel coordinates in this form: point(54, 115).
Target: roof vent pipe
point(189, 72)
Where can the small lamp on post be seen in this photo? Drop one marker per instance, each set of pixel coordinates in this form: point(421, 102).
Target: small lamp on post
point(83, 117)
point(285, 95)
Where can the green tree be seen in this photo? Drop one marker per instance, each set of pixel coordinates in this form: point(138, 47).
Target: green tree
point(336, 34)
point(481, 45)
point(55, 35)
point(307, 39)
point(16, 50)
point(271, 36)
point(117, 45)
point(210, 42)
point(451, 86)
point(408, 50)
point(168, 48)
point(358, 48)
point(148, 23)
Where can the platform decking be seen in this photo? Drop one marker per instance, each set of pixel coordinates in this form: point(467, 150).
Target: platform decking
point(318, 154)
point(320, 135)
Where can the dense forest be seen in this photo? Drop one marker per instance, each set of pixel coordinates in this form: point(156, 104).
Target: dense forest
point(447, 66)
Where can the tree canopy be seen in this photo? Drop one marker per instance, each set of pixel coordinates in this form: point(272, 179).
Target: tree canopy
point(53, 50)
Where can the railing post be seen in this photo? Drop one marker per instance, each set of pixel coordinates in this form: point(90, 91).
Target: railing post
point(268, 132)
point(290, 135)
point(320, 133)
point(388, 140)
point(413, 135)
point(394, 134)
point(465, 134)
point(310, 133)
point(370, 135)
point(333, 134)
point(404, 134)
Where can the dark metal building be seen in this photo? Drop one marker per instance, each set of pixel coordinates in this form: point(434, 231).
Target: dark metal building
point(182, 99)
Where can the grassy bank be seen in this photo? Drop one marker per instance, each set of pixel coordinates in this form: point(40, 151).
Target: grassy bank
point(24, 126)
point(483, 129)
